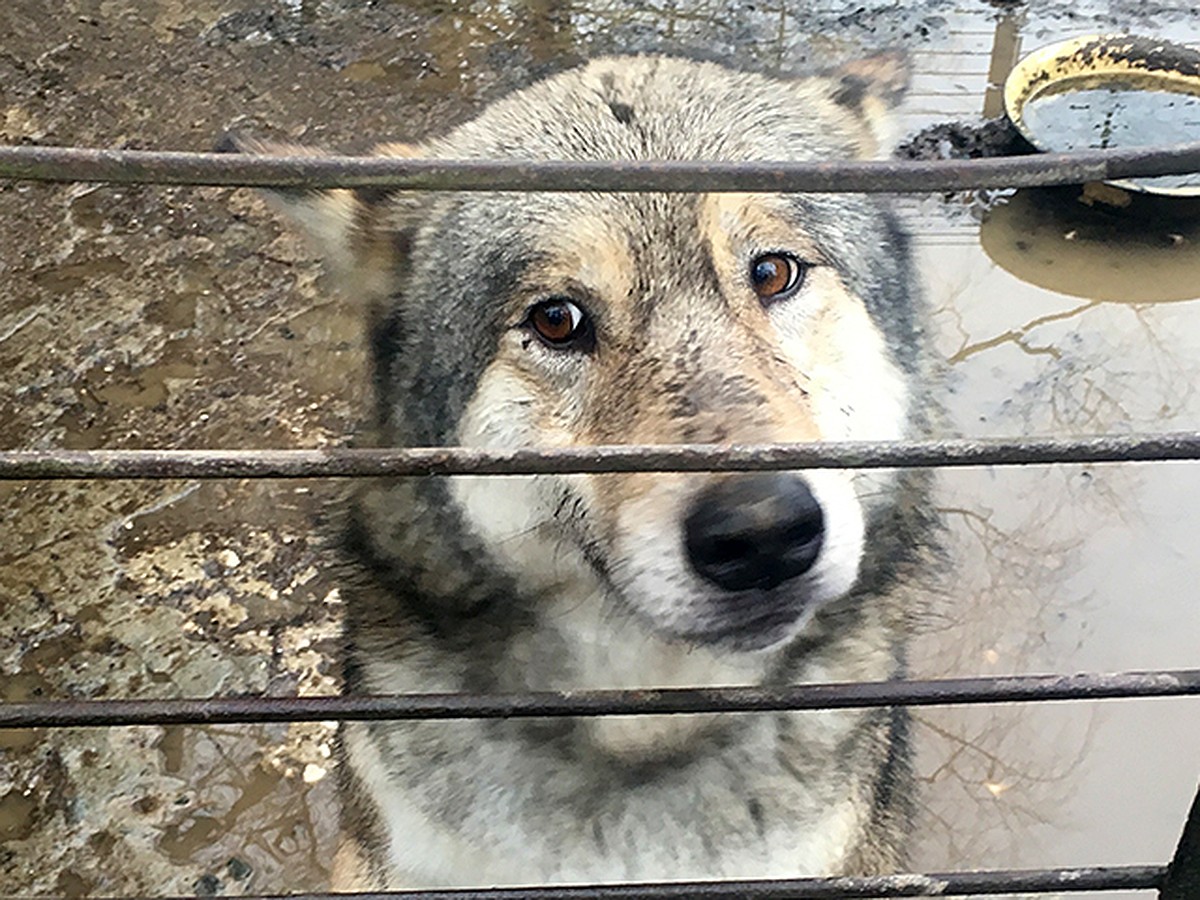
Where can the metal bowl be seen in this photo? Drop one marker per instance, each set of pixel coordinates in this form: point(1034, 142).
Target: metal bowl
point(1111, 90)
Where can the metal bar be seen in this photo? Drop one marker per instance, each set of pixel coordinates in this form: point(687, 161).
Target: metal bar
point(345, 463)
point(937, 692)
point(1038, 881)
point(169, 167)
point(1182, 880)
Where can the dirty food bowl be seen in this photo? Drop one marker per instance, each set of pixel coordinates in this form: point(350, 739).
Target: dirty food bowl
point(1105, 91)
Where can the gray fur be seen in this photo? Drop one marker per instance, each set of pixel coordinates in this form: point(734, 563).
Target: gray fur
point(436, 602)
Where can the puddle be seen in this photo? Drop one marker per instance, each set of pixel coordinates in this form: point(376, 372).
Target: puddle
point(71, 885)
point(24, 686)
point(171, 746)
point(18, 816)
point(1102, 244)
point(190, 318)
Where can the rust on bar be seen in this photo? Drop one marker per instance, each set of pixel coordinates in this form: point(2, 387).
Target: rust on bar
point(936, 692)
point(351, 463)
point(40, 163)
point(977, 883)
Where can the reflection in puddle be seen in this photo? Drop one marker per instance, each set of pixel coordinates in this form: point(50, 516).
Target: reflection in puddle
point(171, 746)
point(19, 688)
point(1006, 50)
point(1147, 251)
point(18, 812)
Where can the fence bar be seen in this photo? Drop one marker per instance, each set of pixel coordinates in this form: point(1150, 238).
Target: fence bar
point(1036, 881)
point(1182, 880)
point(345, 463)
point(937, 692)
point(170, 167)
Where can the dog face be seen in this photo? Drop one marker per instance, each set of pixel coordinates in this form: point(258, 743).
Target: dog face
point(695, 319)
point(569, 319)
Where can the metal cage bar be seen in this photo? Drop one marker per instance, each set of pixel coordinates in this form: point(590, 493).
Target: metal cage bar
point(978, 883)
point(666, 701)
point(878, 176)
point(349, 463)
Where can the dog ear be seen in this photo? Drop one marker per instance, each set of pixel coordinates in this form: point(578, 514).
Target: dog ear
point(361, 232)
point(871, 89)
point(335, 218)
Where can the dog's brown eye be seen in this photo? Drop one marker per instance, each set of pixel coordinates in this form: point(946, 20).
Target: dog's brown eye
point(558, 321)
point(776, 275)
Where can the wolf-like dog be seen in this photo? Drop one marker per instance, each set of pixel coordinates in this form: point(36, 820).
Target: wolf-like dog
point(510, 320)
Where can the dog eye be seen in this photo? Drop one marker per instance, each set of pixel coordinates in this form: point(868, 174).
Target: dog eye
point(776, 275)
point(559, 322)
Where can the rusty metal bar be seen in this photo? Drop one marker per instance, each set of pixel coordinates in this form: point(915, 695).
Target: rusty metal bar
point(347, 463)
point(936, 692)
point(168, 167)
point(1182, 880)
point(1034, 881)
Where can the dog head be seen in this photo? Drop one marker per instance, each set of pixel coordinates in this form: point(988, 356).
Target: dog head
point(509, 320)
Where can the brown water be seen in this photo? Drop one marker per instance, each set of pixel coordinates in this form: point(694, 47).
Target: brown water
point(186, 317)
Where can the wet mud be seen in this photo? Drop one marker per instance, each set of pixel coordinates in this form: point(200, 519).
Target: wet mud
point(964, 140)
point(179, 317)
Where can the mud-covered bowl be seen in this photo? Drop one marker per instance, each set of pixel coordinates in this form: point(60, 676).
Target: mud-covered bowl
point(1110, 91)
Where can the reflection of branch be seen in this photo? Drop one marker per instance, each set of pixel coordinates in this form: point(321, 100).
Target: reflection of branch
point(1021, 564)
point(963, 744)
point(999, 792)
point(269, 812)
point(1000, 727)
point(1169, 375)
point(978, 520)
point(1020, 336)
point(987, 775)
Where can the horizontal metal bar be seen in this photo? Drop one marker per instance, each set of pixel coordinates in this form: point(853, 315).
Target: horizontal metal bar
point(889, 176)
point(856, 695)
point(1034, 881)
point(345, 463)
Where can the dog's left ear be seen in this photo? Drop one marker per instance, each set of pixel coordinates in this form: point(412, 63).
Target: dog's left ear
point(870, 89)
point(336, 219)
point(363, 234)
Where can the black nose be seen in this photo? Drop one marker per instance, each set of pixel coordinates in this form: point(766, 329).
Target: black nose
point(754, 531)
